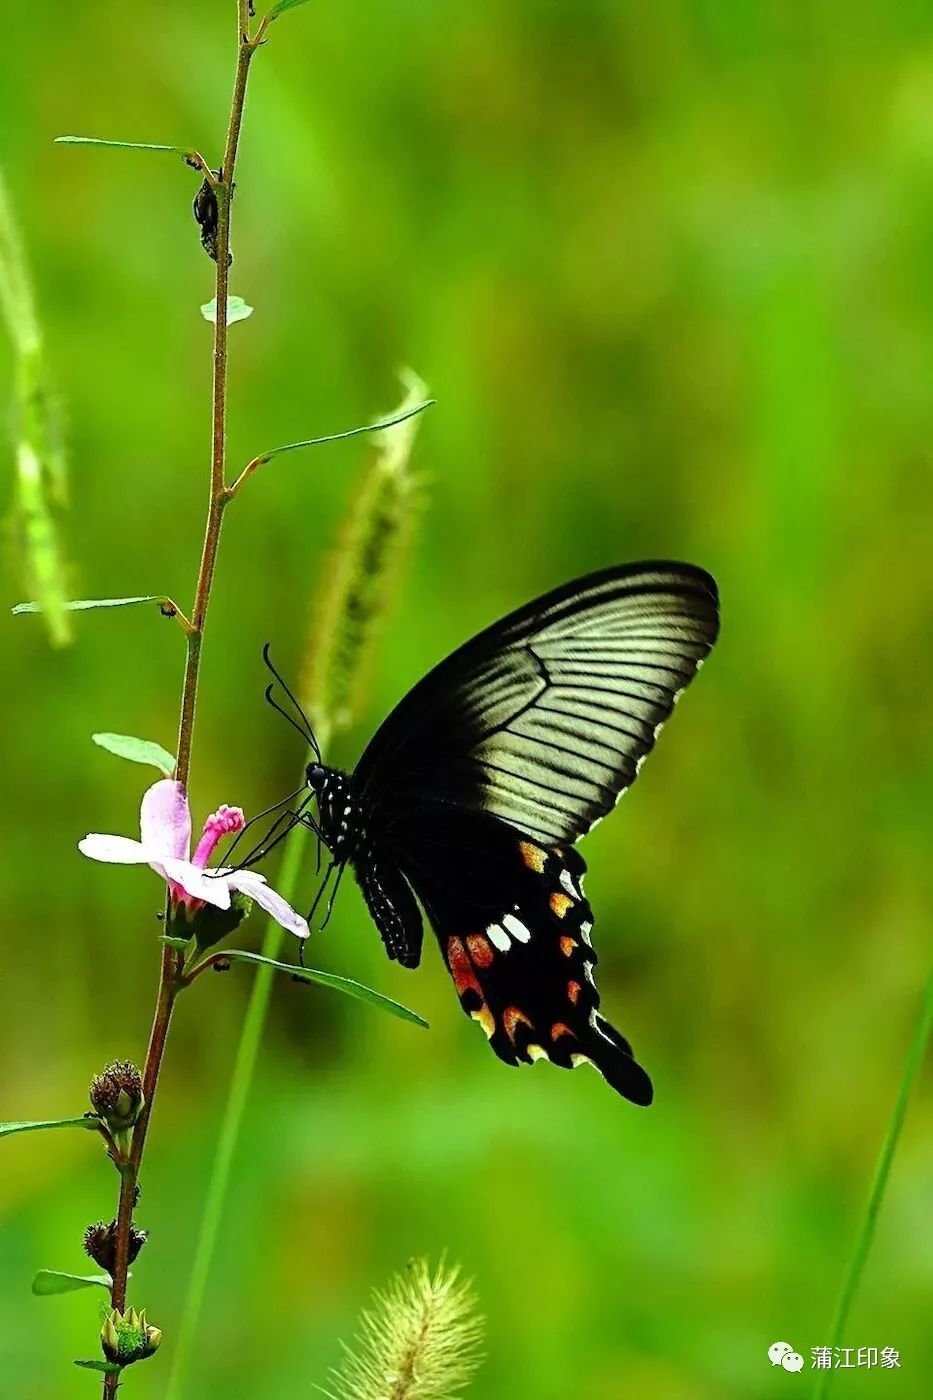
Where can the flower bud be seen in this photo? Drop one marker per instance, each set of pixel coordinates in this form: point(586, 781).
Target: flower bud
point(117, 1095)
point(100, 1244)
point(209, 924)
point(127, 1337)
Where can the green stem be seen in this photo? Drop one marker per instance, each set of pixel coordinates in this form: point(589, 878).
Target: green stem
point(866, 1233)
point(241, 1081)
point(170, 979)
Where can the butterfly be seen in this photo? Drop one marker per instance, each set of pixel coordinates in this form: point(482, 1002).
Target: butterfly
point(471, 796)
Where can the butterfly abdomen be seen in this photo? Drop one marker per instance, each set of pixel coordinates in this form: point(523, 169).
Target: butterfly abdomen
point(392, 906)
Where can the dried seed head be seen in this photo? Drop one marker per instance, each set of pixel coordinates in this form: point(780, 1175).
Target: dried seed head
point(117, 1095)
point(100, 1244)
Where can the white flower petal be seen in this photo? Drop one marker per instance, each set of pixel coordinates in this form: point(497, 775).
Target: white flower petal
point(117, 850)
point(253, 884)
point(200, 884)
point(165, 820)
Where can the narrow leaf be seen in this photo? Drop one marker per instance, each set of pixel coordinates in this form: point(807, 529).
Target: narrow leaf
point(186, 152)
point(378, 427)
point(49, 1281)
point(86, 604)
point(7, 1129)
point(179, 944)
point(237, 310)
point(330, 979)
point(137, 751)
point(107, 1367)
point(282, 6)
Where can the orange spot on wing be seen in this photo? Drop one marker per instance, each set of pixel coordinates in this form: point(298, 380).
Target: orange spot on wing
point(573, 991)
point(480, 950)
point(512, 1018)
point(461, 969)
point(567, 945)
point(533, 856)
point(558, 1029)
point(560, 903)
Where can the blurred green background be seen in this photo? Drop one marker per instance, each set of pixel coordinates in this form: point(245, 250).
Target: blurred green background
point(667, 267)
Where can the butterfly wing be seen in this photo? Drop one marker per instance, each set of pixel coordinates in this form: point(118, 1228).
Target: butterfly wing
point(514, 929)
point(545, 718)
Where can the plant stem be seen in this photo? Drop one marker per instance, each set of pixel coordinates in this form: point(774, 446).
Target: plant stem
point(218, 493)
point(244, 1067)
point(170, 977)
point(915, 1056)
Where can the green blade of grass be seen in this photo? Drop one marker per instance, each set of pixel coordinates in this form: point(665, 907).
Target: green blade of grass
point(915, 1057)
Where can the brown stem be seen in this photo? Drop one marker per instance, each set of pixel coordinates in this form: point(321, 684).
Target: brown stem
point(170, 981)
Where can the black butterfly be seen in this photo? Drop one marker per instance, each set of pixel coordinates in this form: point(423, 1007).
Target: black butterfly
point(472, 793)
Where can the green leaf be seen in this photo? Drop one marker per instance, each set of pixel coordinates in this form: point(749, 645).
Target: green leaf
point(330, 979)
point(282, 6)
point(187, 154)
point(107, 1367)
point(179, 944)
point(237, 310)
point(86, 604)
point(7, 1129)
point(49, 1281)
point(137, 751)
point(380, 426)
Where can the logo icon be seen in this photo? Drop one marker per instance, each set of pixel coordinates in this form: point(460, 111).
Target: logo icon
point(783, 1354)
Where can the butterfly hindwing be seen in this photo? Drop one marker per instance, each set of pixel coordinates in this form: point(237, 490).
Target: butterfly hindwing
point(514, 928)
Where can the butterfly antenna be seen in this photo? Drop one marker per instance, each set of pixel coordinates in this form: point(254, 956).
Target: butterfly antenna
point(304, 728)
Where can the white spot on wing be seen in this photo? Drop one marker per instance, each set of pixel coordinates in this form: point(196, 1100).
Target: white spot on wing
point(516, 928)
point(567, 883)
point(499, 937)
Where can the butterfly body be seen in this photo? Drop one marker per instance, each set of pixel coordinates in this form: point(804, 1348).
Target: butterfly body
point(469, 799)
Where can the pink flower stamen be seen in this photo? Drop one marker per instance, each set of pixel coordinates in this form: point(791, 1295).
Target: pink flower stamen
point(226, 821)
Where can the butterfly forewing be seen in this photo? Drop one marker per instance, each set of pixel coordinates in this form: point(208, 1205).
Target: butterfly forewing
point(545, 718)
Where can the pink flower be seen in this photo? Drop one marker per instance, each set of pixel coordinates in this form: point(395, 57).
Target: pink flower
point(165, 845)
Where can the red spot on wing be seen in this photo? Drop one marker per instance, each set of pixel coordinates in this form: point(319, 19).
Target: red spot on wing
point(480, 949)
point(558, 1029)
point(461, 969)
point(512, 1018)
point(573, 992)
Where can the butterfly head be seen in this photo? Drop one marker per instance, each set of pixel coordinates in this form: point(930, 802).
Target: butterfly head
point(338, 810)
point(316, 777)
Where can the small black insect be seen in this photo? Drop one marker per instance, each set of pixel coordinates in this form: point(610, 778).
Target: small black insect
point(206, 214)
point(472, 793)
